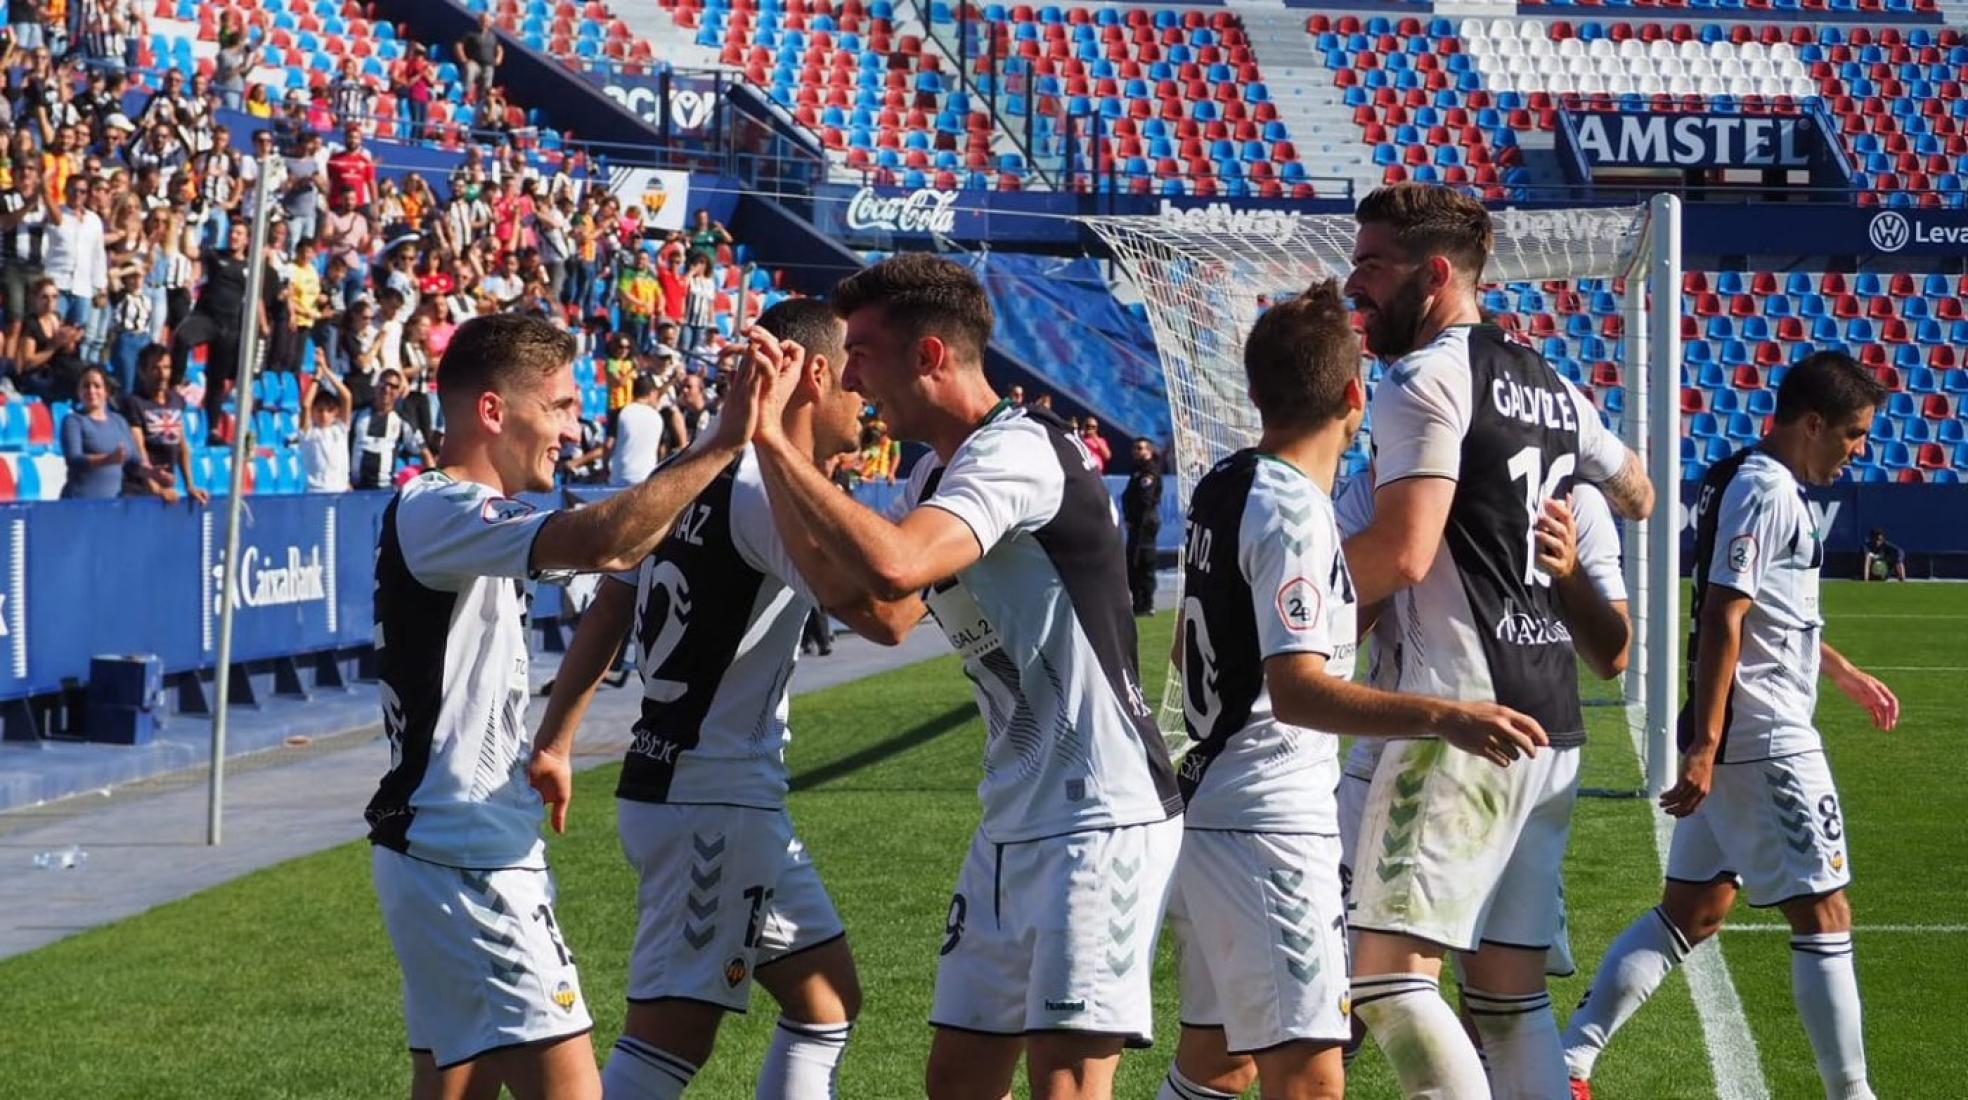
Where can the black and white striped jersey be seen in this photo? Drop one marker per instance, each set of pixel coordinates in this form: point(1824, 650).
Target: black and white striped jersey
point(1491, 415)
point(719, 607)
point(451, 597)
point(1262, 576)
point(1045, 625)
point(1754, 533)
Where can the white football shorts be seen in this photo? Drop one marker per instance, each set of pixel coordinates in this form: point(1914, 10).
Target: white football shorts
point(1458, 851)
point(722, 891)
point(1775, 825)
point(1058, 934)
point(484, 964)
point(1261, 937)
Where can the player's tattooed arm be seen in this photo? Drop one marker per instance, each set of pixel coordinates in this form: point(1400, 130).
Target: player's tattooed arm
point(1630, 491)
point(1860, 687)
point(596, 645)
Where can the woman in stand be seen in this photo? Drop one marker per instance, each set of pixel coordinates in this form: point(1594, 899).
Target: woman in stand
point(103, 457)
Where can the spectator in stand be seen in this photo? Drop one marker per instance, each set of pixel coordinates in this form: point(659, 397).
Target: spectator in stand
point(75, 257)
point(24, 24)
point(666, 344)
point(101, 452)
point(479, 55)
point(416, 87)
point(618, 372)
point(324, 439)
point(130, 310)
point(361, 352)
point(707, 236)
point(238, 54)
point(381, 441)
point(669, 272)
point(552, 222)
point(1016, 395)
point(689, 416)
point(304, 302)
point(345, 234)
point(352, 171)
point(1882, 560)
point(585, 461)
point(214, 324)
point(156, 413)
point(1141, 518)
point(639, 433)
point(307, 182)
point(419, 367)
point(47, 355)
point(699, 307)
point(353, 99)
point(24, 218)
point(1095, 443)
point(250, 171)
point(1043, 402)
point(641, 296)
point(258, 102)
point(881, 456)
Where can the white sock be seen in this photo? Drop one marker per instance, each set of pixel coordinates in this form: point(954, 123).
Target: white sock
point(1520, 1044)
point(1826, 989)
point(1637, 963)
point(1421, 1037)
point(1177, 1087)
point(638, 1071)
point(803, 1062)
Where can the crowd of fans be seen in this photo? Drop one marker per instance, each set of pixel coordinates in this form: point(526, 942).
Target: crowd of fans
point(125, 223)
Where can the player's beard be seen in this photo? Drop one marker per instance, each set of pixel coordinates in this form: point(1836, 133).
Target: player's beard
point(1395, 329)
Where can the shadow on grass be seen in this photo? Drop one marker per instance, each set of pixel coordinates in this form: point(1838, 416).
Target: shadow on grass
point(882, 750)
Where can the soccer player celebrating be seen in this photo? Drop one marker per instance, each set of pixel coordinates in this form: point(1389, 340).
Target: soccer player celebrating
point(1267, 640)
point(489, 988)
point(1050, 937)
point(1758, 810)
point(1472, 433)
point(727, 893)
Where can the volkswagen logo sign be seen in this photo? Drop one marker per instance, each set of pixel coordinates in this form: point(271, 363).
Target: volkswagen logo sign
point(1888, 231)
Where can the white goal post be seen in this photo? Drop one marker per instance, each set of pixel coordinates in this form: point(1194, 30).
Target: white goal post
point(1202, 274)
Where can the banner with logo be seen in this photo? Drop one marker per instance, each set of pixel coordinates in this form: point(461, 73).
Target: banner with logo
point(663, 194)
point(881, 217)
point(83, 577)
point(692, 101)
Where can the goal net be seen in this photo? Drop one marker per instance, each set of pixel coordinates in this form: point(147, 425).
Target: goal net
point(1205, 276)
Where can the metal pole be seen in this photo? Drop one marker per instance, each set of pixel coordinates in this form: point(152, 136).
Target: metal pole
point(1639, 387)
point(242, 427)
point(1664, 462)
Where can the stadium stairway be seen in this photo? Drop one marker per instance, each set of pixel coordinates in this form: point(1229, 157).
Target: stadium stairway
point(1308, 102)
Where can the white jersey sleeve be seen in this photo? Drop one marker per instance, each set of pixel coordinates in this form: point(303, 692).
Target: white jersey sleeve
point(1598, 542)
point(1600, 452)
point(1002, 482)
point(1286, 555)
point(756, 536)
point(1750, 528)
point(1421, 413)
point(453, 535)
point(1354, 507)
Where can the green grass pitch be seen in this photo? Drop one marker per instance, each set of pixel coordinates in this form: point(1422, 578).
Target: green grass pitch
point(281, 984)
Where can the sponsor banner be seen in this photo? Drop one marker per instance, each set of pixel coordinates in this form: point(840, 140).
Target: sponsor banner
point(663, 194)
point(692, 101)
point(1683, 140)
point(81, 578)
point(875, 216)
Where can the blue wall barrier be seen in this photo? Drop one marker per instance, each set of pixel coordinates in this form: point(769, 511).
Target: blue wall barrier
point(81, 578)
point(86, 577)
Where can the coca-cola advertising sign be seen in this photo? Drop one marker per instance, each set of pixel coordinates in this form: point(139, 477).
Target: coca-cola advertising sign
point(921, 212)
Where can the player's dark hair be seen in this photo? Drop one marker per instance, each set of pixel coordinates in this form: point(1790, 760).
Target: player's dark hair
point(810, 323)
point(1829, 383)
point(1433, 221)
point(923, 295)
point(641, 386)
point(502, 353)
point(1300, 356)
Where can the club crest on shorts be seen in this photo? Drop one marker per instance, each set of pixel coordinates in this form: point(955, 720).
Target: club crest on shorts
point(735, 971)
point(1838, 861)
point(565, 996)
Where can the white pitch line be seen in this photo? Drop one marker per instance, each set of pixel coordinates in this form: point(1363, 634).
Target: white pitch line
point(1919, 668)
point(1732, 1053)
point(1863, 929)
point(1900, 615)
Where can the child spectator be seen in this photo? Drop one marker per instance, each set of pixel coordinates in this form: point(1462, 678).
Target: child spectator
point(324, 438)
point(130, 316)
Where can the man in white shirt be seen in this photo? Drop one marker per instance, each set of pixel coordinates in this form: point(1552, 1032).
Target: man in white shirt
point(1759, 812)
point(491, 996)
point(632, 454)
point(75, 259)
